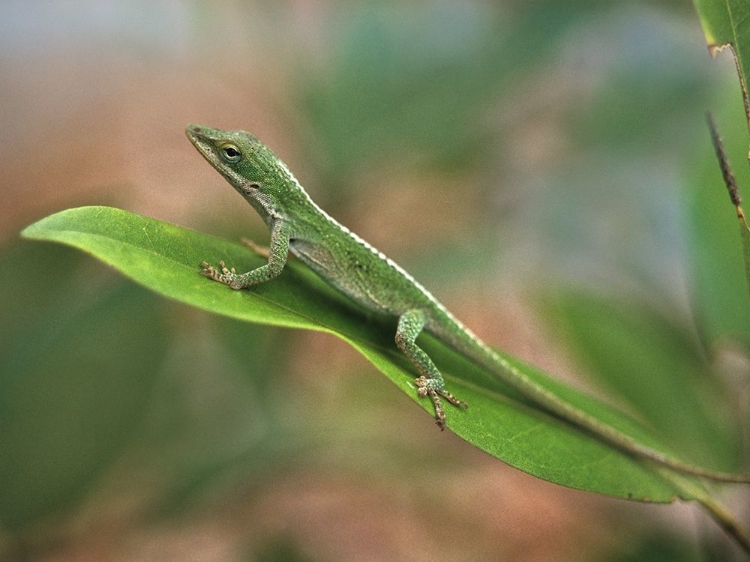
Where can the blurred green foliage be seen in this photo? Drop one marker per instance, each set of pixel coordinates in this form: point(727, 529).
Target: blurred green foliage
point(658, 367)
point(77, 371)
point(405, 82)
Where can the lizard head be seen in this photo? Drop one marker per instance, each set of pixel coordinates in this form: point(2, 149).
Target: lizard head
point(248, 165)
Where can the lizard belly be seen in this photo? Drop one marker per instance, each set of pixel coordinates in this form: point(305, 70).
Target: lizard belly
point(348, 275)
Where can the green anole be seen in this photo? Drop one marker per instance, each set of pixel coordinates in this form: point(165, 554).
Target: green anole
point(368, 277)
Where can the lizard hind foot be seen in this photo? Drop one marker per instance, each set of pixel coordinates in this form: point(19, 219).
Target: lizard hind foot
point(432, 388)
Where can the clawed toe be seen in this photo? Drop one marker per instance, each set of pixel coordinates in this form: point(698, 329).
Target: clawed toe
point(432, 388)
point(222, 274)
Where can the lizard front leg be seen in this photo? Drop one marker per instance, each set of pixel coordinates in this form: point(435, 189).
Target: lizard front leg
point(277, 257)
point(430, 382)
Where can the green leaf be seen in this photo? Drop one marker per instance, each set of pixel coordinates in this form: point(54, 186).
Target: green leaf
point(727, 23)
point(165, 258)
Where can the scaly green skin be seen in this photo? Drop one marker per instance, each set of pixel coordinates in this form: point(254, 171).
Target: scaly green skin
point(368, 277)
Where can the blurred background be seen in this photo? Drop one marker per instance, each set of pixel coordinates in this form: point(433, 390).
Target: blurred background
point(543, 167)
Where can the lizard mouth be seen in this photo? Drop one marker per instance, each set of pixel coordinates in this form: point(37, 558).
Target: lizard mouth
point(204, 141)
point(199, 137)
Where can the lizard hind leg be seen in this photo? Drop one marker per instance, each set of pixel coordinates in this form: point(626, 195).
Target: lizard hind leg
point(430, 382)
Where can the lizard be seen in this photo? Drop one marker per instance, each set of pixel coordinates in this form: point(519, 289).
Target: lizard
point(365, 275)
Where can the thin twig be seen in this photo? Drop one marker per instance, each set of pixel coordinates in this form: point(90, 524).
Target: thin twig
point(726, 170)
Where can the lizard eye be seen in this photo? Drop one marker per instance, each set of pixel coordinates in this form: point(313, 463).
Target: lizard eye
point(231, 153)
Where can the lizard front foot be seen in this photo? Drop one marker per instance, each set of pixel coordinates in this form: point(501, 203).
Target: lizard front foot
point(222, 274)
point(432, 388)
